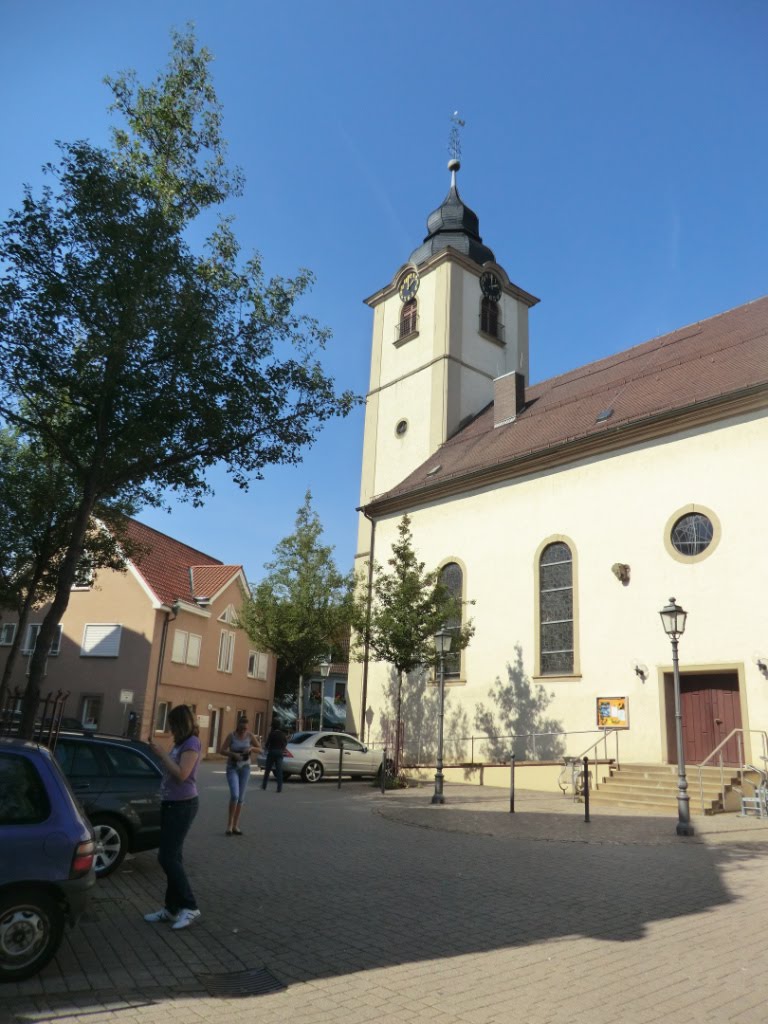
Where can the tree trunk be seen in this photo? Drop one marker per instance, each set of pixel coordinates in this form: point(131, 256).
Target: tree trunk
point(398, 721)
point(67, 573)
point(300, 704)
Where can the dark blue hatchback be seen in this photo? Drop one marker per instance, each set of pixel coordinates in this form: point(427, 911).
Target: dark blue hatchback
point(46, 858)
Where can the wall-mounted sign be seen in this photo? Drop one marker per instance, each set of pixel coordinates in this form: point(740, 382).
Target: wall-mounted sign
point(126, 696)
point(613, 712)
point(203, 721)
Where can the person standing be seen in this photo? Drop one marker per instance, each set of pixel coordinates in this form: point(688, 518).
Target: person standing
point(237, 748)
point(179, 803)
point(277, 741)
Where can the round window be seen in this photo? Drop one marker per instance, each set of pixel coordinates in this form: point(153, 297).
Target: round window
point(692, 534)
point(401, 428)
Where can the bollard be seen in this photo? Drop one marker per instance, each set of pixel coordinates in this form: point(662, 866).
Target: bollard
point(586, 789)
point(512, 785)
point(341, 755)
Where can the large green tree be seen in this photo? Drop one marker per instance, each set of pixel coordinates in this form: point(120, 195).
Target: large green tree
point(130, 359)
point(302, 609)
point(397, 620)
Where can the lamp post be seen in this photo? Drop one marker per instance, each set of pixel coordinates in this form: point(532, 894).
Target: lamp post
point(673, 619)
point(442, 647)
point(325, 668)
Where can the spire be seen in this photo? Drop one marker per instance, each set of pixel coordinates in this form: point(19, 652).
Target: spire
point(452, 223)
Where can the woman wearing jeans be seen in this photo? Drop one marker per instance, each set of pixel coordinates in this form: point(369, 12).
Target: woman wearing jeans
point(237, 748)
point(178, 794)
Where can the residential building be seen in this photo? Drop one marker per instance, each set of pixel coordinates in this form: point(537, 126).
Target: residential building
point(134, 644)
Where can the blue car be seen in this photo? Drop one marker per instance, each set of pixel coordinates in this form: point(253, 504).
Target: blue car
point(46, 858)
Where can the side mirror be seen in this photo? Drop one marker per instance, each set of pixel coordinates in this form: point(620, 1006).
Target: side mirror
point(365, 749)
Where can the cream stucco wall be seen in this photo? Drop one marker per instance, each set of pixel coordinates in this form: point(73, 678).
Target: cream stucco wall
point(612, 508)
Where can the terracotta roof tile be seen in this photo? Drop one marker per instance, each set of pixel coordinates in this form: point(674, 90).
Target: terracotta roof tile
point(706, 360)
point(174, 570)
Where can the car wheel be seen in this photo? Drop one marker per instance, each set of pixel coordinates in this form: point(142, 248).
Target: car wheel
point(312, 771)
point(31, 926)
point(111, 845)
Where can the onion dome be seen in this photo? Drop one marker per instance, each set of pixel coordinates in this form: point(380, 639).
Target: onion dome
point(453, 224)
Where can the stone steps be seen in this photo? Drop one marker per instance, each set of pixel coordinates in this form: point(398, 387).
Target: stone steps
point(652, 786)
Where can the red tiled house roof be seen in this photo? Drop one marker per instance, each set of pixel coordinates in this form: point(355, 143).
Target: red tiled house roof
point(173, 570)
point(704, 366)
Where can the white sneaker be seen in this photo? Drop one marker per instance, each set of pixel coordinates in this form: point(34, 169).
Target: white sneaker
point(160, 915)
point(185, 919)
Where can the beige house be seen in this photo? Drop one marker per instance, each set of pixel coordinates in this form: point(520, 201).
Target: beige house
point(137, 643)
point(569, 511)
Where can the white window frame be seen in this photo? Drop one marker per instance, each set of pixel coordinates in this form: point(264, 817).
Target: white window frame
point(226, 651)
point(258, 662)
point(165, 705)
point(186, 648)
point(106, 645)
point(7, 633)
point(31, 639)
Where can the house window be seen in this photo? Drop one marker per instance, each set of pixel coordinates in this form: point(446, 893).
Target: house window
point(161, 716)
point(452, 579)
point(31, 639)
point(7, 633)
point(186, 648)
point(258, 724)
point(91, 711)
point(556, 633)
point(257, 665)
point(226, 651)
point(83, 574)
point(101, 640)
point(229, 615)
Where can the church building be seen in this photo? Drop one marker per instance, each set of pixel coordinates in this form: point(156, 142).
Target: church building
point(567, 512)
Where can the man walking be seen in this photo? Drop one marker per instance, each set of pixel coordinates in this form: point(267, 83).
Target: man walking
point(276, 743)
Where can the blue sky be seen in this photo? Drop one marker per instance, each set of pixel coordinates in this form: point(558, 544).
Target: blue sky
point(616, 154)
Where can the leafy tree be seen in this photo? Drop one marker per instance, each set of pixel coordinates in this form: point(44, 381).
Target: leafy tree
point(303, 606)
point(131, 360)
point(407, 605)
point(518, 715)
point(36, 499)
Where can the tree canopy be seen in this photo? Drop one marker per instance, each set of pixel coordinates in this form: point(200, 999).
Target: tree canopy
point(134, 362)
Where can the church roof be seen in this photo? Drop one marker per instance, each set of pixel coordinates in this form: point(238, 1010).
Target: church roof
point(605, 404)
point(453, 224)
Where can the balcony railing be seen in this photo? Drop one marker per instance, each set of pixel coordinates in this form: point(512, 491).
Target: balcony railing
point(491, 325)
point(407, 327)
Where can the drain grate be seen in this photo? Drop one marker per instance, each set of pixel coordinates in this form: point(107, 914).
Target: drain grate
point(256, 982)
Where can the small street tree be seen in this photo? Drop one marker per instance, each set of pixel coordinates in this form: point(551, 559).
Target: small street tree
point(127, 358)
point(303, 606)
point(407, 605)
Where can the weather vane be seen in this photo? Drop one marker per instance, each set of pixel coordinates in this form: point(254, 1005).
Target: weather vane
point(454, 139)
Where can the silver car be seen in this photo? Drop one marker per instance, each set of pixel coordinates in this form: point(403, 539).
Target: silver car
point(315, 754)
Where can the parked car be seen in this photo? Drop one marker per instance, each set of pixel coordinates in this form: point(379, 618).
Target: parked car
point(117, 781)
point(47, 855)
point(315, 754)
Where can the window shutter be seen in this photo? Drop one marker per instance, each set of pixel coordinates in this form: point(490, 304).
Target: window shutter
point(179, 646)
point(101, 641)
point(193, 649)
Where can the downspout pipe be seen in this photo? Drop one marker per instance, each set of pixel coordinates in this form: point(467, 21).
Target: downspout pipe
point(369, 601)
point(161, 658)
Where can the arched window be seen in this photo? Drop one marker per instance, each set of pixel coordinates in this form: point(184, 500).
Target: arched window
point(452, 579)
point(556, 635)
point(408, 318)
point(489, 317)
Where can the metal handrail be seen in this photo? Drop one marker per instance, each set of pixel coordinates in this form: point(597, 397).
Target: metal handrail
point(739, 734)
point(604, 740)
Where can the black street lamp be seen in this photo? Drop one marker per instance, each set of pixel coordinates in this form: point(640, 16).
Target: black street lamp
point(673, 619)
point(325, 668)
point(442, 647)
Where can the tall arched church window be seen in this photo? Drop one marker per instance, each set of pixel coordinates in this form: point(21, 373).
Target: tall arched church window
point(489, 317)
point(556, 638)
point(452, 579)
point(408, 318)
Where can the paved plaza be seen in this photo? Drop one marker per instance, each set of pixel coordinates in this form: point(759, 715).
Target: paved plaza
point(352, 906)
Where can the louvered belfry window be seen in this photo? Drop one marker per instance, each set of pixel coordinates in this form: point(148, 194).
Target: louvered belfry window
point(556, 609)
point(408, 318)
point(489, 317)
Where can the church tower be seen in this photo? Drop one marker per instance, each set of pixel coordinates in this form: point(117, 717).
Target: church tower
point(448, 323)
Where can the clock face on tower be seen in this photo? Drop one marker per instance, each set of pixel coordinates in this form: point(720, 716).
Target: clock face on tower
point(409, 286)
point(490, 285)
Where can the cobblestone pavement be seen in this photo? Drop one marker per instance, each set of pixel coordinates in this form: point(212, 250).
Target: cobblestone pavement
point(362, 907)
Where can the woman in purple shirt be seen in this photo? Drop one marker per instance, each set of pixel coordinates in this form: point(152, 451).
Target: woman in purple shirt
point(178, 793)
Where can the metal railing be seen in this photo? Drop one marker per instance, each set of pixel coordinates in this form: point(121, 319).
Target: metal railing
point(490, 324)
point(407, 326)
point(473, 750)
point(718, 752)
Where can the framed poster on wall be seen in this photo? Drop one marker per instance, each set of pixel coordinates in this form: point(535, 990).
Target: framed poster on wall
point(613, 712)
